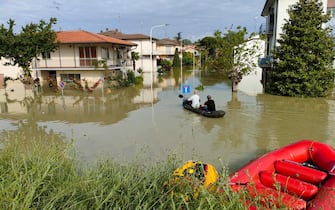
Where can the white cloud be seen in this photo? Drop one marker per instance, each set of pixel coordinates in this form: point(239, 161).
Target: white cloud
point(192, 18)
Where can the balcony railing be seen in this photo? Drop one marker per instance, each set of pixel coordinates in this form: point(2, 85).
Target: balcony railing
point(265, 62)
point(266, 29)
point(88, 62)
point(84, 64)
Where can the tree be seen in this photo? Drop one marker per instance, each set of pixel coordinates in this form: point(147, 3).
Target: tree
point(134, 57)
point(187, 58)
point(32, 41)
point(187, 42)
point(7, 39)
point(209, 44)
point(303, 60)
point(230, 54)
point(232, 42)
point(178, 37)
point(176, 59)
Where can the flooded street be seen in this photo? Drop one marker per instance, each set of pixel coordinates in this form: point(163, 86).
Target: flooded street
point(149, 122)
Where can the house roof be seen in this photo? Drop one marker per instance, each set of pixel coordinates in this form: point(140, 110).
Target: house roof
point(265, 11)
point(331, 4)
point(81, 36)
point(120, 35)
point(167, 42)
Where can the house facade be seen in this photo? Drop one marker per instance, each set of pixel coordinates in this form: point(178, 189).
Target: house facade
point(166, 49)
point(143, 47)
point(251, 83)
point(80, 58)
point(8, 70)
point(275, 13)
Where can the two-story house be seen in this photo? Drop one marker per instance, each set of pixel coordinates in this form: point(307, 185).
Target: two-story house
point(144, 48)
point(79, 57)
point(166, 49)
point(275, 13)
point(250, 83)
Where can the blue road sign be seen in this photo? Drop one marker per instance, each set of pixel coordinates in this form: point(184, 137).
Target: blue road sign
point(186, 89)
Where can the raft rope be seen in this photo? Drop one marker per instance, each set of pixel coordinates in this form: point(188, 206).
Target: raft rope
point(310, 149)
point(331, 172)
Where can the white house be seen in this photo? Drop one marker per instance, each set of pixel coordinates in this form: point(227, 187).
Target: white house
point(12, 72)
point(166, 48)
point(143, 47)
point(251, 83)
point(77, 57)
point(275, 13)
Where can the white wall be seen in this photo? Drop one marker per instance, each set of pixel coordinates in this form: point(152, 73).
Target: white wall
point(13, 72)
point(144, 50)
point(282, 13)
point(68, 56)
point(251, 83)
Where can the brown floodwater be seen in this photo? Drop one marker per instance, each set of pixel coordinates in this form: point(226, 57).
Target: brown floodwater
point(149, 122)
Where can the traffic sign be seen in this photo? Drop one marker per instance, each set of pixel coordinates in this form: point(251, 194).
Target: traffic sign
point(61, 84)
point(186, 89)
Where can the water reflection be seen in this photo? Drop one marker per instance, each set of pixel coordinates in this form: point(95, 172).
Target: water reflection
point(150, 121)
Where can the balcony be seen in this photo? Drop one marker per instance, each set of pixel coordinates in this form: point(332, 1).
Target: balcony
point(265, 62)
point(78, 64)
point(266, 29)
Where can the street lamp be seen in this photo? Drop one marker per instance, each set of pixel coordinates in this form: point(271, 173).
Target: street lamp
point(152, 69)
point(151, 46)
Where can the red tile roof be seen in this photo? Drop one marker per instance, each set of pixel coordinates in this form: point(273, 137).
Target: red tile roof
point(120, 35)
point(81, 36)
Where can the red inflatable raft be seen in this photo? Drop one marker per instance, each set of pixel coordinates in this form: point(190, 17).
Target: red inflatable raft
point(298, 176)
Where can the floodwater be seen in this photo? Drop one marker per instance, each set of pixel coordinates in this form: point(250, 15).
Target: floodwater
point(149, 122)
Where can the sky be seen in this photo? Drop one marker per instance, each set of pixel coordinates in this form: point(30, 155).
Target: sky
point(193, 18)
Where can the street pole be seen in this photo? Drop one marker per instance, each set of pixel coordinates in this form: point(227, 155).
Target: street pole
point(181, 67)
point(151, 49)
point(152, 70)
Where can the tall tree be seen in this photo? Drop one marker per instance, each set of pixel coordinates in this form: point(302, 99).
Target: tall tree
point(231, 40)
point(304, 59)
point(34, 40)
point(176, 59)
point(134, 57)
point(178, 37)
point(209, 44)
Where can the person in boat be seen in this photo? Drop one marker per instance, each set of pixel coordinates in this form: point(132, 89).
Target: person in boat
point(209, 105)
point(194, 100)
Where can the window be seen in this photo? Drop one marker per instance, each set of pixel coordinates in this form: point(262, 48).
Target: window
point(69, 77)
point(46, 55)
point(331, 11)
point(87, 56)
point(168, 50)
point(104, 53)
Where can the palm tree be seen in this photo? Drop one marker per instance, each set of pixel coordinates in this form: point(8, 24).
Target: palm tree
point(178, 37)
point(134, 57)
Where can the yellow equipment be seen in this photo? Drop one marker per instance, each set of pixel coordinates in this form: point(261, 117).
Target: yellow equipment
point(204, 172)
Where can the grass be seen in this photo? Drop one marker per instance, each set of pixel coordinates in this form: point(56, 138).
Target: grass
point(43, 173)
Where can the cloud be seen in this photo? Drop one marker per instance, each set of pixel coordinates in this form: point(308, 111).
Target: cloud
point(193, 18)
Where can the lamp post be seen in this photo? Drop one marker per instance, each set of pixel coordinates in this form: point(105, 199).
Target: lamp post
point(152, 69)
point(151, 46)
point(181, 67)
